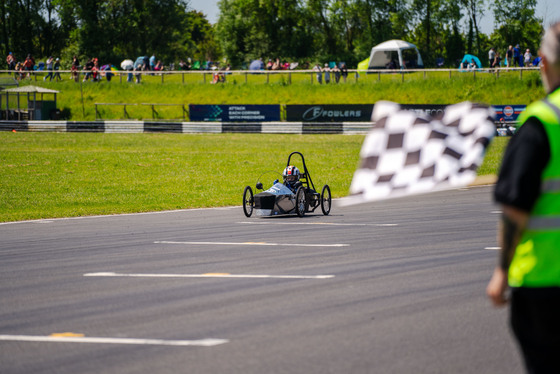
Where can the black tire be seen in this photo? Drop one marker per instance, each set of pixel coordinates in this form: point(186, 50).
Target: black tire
point(248, 202)
point(326, 200)
point(301, 202)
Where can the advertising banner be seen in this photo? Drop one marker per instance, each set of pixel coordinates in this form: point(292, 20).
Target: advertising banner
point(504, 113)
point(321, 113)
point(508, 113)
point(347, 113)
point(434, 111)
point(234, 113)
point(329, 113)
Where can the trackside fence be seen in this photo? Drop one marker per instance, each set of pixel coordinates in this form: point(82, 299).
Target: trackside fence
point(258, 76)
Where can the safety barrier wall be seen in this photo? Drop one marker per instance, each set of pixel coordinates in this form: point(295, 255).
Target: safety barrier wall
point(188, 127)
point(267, 119)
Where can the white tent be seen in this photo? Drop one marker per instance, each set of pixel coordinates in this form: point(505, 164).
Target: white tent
point(395, 54)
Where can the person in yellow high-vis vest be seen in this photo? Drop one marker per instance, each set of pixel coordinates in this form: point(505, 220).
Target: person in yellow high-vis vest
point(528, 190)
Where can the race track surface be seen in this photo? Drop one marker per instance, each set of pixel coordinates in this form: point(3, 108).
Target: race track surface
point(390, 287)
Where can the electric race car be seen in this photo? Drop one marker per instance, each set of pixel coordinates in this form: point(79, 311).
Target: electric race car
point(296, 195)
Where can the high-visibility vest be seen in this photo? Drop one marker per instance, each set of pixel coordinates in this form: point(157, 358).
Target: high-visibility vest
point(536, 262)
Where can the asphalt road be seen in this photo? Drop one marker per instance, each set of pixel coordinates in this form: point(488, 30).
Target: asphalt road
point(391, 287)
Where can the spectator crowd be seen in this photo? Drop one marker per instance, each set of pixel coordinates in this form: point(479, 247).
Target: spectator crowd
point(329, 72)
point(514, 57)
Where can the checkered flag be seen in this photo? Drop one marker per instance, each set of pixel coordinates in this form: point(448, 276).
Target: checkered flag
point(407, 153)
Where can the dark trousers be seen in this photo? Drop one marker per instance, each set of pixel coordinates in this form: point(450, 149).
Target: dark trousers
point(535, 319)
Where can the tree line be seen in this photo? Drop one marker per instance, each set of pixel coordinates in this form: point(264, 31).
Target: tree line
point(289, 30)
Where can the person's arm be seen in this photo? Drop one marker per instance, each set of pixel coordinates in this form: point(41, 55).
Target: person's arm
point(512, 225)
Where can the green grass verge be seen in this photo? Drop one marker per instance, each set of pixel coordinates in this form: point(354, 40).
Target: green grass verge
point(493, 157)
point(435, 88)
point(48, 175)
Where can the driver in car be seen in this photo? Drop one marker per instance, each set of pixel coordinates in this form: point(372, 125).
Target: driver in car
point(291, 178)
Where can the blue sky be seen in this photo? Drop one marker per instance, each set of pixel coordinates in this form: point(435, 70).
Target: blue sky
point(549, 10)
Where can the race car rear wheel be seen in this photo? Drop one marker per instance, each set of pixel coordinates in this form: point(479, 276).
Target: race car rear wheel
point(248, 202)
point(301, 202)
point(326, 200)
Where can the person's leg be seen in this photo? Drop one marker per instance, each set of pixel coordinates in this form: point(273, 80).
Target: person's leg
point(535, 320)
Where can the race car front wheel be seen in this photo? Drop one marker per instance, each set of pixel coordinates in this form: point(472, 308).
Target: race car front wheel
point(248, 201)
point(301, 202)
point(326, 200)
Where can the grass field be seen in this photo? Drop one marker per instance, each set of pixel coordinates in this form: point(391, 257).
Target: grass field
point(47, 175)
point(79, 99)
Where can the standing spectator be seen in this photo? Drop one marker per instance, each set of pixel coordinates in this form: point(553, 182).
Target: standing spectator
point(87, 68)
point(11, 61)
point(74, 68)
point(146, 65)
point(497, 60)
point(50, 67)
point(319, 73)
point(491, 57)
point(269, 64)
point(509, 57)
point(327, 71)
point(527, 57)
point(29, 64)
point(138, 69)
point(153, 62)
point(529, 234)
point(130, 69)
point(336, 72)
point(517, 56)
point(95, 75)
point(56, 69)
point(20, 68)
point(344, 71)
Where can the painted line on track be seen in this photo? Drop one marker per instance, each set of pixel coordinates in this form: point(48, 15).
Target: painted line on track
point(208, 275)
point(493, 248)
point(319, 223)
point(62, 219)
point(103, 340)
point(254, 243)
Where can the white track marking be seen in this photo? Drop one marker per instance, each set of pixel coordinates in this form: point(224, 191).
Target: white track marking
point(493, 248)
point(319, 223)
point(254, 243)
point(53, 220)
point(97, 340)
point(208, 275)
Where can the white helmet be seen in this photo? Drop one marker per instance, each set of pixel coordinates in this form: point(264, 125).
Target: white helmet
point(291, 174)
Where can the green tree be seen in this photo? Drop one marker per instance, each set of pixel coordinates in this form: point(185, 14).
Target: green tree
point(22, 24)
point(116, 29)
point(454, 47)
point(474, 10)
point(366, 23)
point(516, 23)
point(434, 20)
point(252, 29)
point(198, 38)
